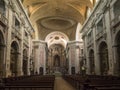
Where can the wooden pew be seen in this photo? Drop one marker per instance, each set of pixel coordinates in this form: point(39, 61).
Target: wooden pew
point(108, 88)
point(26, 88)
point(102, 82)
point(93, 82)
point(29, 83)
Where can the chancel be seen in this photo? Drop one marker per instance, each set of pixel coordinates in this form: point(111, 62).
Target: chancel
point(59, 44)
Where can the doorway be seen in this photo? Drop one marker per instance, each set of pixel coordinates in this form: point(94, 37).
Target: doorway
point(104, 64)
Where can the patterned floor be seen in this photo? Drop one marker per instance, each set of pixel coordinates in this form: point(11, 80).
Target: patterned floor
point(61, 84)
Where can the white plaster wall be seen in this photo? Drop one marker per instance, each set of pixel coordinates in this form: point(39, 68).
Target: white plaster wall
point(102, 10)
point(109, 42)
point(78, 34)
point(40, 55)
point(74, 55)
point(10, 14)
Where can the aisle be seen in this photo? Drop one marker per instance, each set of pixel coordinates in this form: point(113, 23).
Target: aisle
point(61, 84)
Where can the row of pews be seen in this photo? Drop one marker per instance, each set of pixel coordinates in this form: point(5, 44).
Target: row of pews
point(35, 82)
point(93, 82)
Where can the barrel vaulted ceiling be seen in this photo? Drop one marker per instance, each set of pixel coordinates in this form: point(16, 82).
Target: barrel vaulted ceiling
point(57, 15)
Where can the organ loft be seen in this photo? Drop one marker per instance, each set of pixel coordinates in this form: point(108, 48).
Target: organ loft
point(60, 44)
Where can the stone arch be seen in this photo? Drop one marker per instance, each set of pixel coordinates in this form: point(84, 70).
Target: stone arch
point(2, 51)
point(103, 57)
point(56, 58)
point(25, 62)
point(91, 61)
point(56, 38)
point(14, 57)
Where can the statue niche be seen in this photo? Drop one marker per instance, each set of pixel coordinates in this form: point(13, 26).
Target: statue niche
point(57, 61)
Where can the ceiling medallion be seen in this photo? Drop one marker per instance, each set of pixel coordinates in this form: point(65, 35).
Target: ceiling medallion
point(57, 23)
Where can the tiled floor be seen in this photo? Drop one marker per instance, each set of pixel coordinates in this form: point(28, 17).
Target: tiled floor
point(61, 84)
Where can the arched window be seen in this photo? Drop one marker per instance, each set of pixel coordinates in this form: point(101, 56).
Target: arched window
point(22, 1)
point(92, 1)
point(97, 1)
point(117, 8)
point(88, 12)
point(2, 7)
